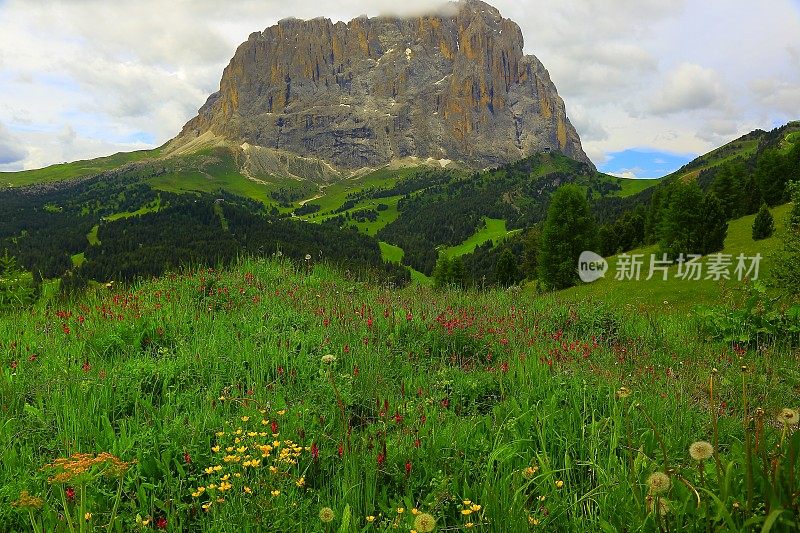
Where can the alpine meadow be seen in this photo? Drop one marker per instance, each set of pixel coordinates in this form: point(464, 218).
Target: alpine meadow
point(381, 280)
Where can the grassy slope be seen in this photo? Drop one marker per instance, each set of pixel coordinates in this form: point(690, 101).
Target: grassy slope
point(75, 169)
point(634, 186)
point(223, 174)
point(525, 434)
point(494, 230)
point(680, 296)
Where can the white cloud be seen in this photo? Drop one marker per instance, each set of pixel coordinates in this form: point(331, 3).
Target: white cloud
point(688, 88)
point(777, 94)
point(11, 153)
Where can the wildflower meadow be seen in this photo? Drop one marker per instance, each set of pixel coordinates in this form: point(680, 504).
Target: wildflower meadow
point(275, 397)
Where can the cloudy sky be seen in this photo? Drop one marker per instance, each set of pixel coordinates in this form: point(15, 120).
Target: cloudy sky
point(647, 83)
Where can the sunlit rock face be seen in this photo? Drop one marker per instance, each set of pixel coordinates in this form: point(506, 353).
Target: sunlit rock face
point(454, 85)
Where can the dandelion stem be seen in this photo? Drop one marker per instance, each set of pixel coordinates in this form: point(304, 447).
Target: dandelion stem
point(748, 444)
point(714, 419)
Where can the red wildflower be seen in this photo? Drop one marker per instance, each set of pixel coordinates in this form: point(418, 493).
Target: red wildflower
point(274, 427)
point(355, 371)
point(14, 365)
point(187, 458)
point(381, 459)
point(340, 450)
point(504, 367)
point(86, 367)
point(398, 418)
point(70, 493)
point(161, 523)
point(408, 468)
point(314, 451)
point(445, 403)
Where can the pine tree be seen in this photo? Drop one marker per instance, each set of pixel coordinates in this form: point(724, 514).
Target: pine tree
point(659, 204)
point(726, 188)
point(506, 273)
point(751, 198)
point(772, 173)
point(568, 231)
point(681, 227)
point(714, 224)
point(530, 252)
point(764, 224)
point(457, 275)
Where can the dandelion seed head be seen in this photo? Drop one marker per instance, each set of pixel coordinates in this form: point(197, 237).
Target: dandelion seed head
point(326, 514)
point(701, 450)
point(658, 482)
point(424, 523)
point(789, 417)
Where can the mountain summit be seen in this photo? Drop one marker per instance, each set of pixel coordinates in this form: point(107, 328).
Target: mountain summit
point(450, 86)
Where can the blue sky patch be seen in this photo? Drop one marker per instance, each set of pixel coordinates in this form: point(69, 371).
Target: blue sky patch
point(643, 163)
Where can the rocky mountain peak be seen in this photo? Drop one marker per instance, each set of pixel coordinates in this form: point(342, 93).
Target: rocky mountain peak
point(454, 85)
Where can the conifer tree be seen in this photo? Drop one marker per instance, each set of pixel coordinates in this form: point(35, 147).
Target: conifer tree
point(568, 231)
point(764, 224)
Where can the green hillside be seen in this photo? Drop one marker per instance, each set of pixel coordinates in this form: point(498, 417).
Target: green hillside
point(676, 295)
point(76, 169)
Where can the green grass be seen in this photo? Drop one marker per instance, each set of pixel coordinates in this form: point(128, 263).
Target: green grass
point(194, 181)
point(635, 186)
point(435, 397)
point(675, 295)
point(336, 194)
point(151, 207)
point(391, 253)
point(92, 236)
point(78, 259)
point(77, 169)
point(493, 230)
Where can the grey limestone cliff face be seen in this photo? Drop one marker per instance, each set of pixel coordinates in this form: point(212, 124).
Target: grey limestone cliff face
point(454, 85)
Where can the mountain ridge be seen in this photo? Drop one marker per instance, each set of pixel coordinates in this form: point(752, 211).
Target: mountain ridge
point(450, 86)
